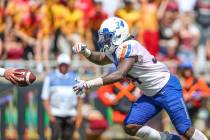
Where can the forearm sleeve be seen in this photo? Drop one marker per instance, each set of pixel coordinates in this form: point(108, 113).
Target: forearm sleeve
point(95, 82)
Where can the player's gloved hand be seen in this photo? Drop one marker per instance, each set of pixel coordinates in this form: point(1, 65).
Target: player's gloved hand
point(79, 48)
point(82, 85)
point(82, 49)
point(80, 88)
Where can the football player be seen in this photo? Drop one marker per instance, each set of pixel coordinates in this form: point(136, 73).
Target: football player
point(162, 90)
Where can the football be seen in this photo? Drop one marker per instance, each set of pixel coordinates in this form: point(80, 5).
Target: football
point(26, 77)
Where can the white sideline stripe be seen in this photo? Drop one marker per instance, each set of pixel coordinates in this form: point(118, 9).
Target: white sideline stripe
point(185, 109)
point(27, 77)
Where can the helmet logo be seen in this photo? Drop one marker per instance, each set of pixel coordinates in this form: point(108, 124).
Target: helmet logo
point(105, 30)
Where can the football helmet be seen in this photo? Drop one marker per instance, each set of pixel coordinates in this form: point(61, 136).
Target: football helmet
point(113, 32)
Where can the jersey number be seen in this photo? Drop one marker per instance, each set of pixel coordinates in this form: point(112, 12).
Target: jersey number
point(119, 24)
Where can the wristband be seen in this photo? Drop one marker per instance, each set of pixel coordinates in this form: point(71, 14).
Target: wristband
point(87, 53)
point(2, 71)
point(94, 82)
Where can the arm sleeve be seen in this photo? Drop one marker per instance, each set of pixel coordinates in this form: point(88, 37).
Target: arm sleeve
point(45, 90)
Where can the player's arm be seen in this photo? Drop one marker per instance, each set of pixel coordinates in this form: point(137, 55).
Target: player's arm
point(98, 58)
point(121, 72)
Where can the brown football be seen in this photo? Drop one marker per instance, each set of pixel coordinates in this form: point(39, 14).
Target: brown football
point(26, 77)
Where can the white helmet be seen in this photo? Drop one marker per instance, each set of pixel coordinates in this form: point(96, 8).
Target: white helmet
point(113, 32)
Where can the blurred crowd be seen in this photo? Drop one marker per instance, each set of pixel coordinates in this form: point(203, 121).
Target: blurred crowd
point(175, 31)
point(172, 30)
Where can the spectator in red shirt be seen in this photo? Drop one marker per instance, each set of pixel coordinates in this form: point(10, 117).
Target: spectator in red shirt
point(169, 28)
point(86, 6)
point(13, 47)
point(27, 29)
point(97, 16)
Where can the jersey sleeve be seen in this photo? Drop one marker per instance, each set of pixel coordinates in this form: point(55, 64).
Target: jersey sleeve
point(127, 50)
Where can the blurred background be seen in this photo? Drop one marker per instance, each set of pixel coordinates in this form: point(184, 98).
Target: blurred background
point(34, 32)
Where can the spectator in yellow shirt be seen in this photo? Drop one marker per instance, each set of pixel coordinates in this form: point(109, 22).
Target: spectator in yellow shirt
point(45, 33)
point(59, 14)
point(74, 27)
point(129, 14)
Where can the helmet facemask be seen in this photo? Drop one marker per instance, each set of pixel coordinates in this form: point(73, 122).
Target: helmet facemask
point(105, 42)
